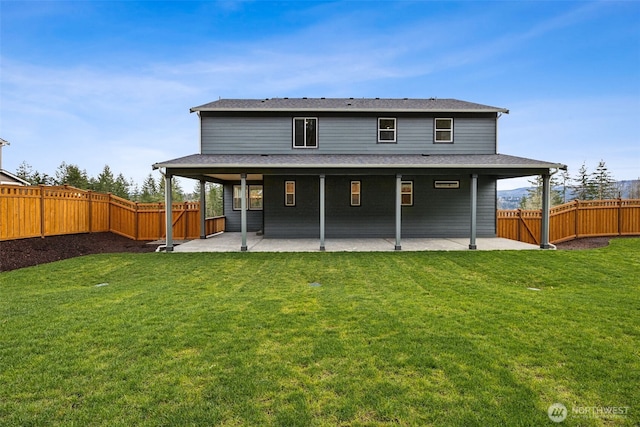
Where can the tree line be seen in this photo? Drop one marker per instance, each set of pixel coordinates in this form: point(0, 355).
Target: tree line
point(151, 191)
point(597, 185)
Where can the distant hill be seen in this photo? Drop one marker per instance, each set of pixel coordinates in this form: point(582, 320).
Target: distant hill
point(510, 199)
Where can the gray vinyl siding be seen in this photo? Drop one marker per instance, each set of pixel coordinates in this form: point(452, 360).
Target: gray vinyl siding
point(447, 212)
point(435, 213)
point(232, 220)
point(473, 134)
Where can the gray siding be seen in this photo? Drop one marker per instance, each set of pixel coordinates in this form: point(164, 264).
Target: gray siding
point(447, 212)
point(435, 213)
point(232, 220)
point(473, 134)
point(301, 220)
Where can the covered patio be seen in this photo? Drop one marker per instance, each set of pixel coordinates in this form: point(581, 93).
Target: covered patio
point(466, 171)
point(230, 242)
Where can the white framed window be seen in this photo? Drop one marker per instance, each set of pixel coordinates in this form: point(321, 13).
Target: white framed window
point(386, 129)
point(254, 195)
point(406, 193)
point(442, 130)
point(356, 191)
point(289, 193)
point(305, 132)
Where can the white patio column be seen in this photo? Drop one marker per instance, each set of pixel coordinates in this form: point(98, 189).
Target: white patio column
point(243, 210)
point(322, 212)
point(544, 225)
point(398, 246)
point(203, 209)
point(474, 211)
point(168, 205)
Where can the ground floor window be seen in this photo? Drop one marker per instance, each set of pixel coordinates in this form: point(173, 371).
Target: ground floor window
point(406, 193)
point(355, 193)
point(254, 194)
point(289, 193)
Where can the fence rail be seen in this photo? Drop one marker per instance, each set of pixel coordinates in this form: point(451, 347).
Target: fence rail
point(617, 217)
point(48, 211)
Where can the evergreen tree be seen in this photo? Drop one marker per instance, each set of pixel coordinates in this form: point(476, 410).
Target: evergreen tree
point(121, 187)
point(105, 183)
point(564, 180)
point(603, 183)
point(70, 174)
point(584, 188)
point(26, 172)
point(213, 197)
point(176, 190)
point(149, 192)
point(533, 199)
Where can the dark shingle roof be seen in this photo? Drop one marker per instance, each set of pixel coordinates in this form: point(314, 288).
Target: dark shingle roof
point(349, 104)
point(355, 161)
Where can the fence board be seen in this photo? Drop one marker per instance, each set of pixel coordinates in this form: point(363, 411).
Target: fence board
point(46, 211)
point(575, 219)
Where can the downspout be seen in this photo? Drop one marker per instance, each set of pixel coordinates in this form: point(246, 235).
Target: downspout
point(497, 117)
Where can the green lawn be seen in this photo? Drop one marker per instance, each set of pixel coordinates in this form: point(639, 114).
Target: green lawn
point(429, 338)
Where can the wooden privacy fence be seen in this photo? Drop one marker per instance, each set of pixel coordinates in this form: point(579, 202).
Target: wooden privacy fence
point(575, 219)
point(49, 211)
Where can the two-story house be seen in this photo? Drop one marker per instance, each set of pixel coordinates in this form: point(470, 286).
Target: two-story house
point(351, 167)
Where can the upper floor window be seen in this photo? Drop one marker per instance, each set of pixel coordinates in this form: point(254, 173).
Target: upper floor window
point(443, 130)
point(305, 132)
point(386, 129)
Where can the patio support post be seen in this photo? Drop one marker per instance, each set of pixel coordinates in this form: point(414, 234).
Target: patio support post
point(398, 246)
point(544, 225)
point(322, 209)
point(168, 209)
point(203, 209)
point(474, 211)
point(243, 211)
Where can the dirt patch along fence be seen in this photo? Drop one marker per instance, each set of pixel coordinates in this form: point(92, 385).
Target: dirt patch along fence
point(40, 211)
point(592, 218)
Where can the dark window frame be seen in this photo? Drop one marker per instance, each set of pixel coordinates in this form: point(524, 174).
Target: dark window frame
point(286, 193)
point(359, 193)
point(247, 196)
point(402, 193)
point(305, 134)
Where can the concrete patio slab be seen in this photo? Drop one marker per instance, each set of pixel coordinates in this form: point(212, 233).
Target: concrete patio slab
point(230, 242)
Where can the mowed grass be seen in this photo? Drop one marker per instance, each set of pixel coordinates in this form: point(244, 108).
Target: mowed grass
point(429, 338)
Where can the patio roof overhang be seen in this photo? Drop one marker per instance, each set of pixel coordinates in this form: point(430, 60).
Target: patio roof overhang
point(219, 167)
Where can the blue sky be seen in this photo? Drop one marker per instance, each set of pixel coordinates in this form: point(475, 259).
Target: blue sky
point(95, 83)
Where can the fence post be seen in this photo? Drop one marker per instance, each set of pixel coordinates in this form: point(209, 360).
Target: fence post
point(90, 211)
point(160, 222)
point(42, 211)
point(186, 220)
point(619, 216)
point(577, 218)
point(135, 223)
point(518, 224)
